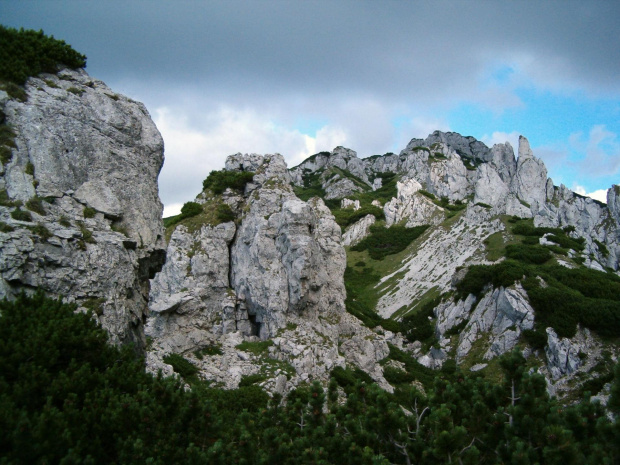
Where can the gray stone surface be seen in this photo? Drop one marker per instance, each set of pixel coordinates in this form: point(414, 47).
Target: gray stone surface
point(87, 146)
point(358, 230)
point(562, 355)
point(501, 315)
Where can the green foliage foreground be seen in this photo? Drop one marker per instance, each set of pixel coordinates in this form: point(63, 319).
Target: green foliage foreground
point(68, 397)
point(26, 53)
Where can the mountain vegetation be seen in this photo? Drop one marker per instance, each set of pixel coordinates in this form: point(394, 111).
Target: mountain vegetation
point(26, 53)
point(67, 396)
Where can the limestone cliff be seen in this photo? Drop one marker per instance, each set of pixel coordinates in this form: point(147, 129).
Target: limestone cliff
point(80, 211)
point(271, 279)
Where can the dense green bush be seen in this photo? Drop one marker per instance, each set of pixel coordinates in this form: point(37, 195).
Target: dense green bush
point(503, 274)
point(347, 378)
point(224, 213)
point(26, 53)
point(68, 397)
point(535, 254)
point(219, 181)
point(418, 326)
point(347, 216)
point(414, 369)
point(386, 241)
point(190, 209)
point(181, 366)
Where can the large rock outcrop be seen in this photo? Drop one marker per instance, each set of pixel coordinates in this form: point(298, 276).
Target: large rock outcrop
point(274, 276)
point(84, 168)
point(287, 257)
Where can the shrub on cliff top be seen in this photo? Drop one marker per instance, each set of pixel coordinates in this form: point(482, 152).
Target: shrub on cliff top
point(26, 53)
point(219, 181)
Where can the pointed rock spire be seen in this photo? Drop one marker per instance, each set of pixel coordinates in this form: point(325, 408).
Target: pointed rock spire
point(524, 149)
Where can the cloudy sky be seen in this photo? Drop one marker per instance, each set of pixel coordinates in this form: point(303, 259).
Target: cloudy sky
point(298, 77)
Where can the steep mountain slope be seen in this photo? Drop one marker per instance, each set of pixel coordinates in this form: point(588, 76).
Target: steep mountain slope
point(466, 208)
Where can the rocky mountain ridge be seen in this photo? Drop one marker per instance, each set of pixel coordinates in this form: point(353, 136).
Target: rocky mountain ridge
point(384, 269)
point(463, 190)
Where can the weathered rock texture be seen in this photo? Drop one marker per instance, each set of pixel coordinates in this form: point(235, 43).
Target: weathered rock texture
point(491, 182)
point(275, 274)
point(89, 158)
point(287, 258)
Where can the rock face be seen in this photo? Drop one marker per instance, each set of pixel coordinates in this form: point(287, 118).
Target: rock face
point(85, 164)
point(432, 265)
point(415, 209)
point(274, 275)
point(358, 230)
point(562, 355)
point(190, 298)
point(287, 258)
point(502, 315)
point(530, 181)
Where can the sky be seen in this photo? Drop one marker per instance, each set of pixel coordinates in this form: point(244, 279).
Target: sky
point(301, 76)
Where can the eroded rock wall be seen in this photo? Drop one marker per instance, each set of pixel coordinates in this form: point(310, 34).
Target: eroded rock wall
point(84, 169)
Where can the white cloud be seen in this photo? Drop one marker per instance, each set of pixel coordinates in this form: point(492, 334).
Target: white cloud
point(172, 210)
point(601, 149)
point(600, 194)
point(194, 148)
point(501, 138)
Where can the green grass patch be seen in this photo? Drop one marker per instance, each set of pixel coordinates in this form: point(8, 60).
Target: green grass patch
point(362, 298)
point(210, 350)
point(212, 212)
point(41, 231)
point(6, 228)
point(495, 246)
point(89, 212)
point(21, 215)
point(87, 234)
point(35, 204)
point(255, 347)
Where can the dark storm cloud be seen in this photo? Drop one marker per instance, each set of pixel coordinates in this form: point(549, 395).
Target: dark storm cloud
point(393, 49)
point(227, 76)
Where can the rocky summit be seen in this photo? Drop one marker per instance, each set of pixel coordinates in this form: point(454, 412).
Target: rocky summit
point(449, 252)
point(393, 268)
